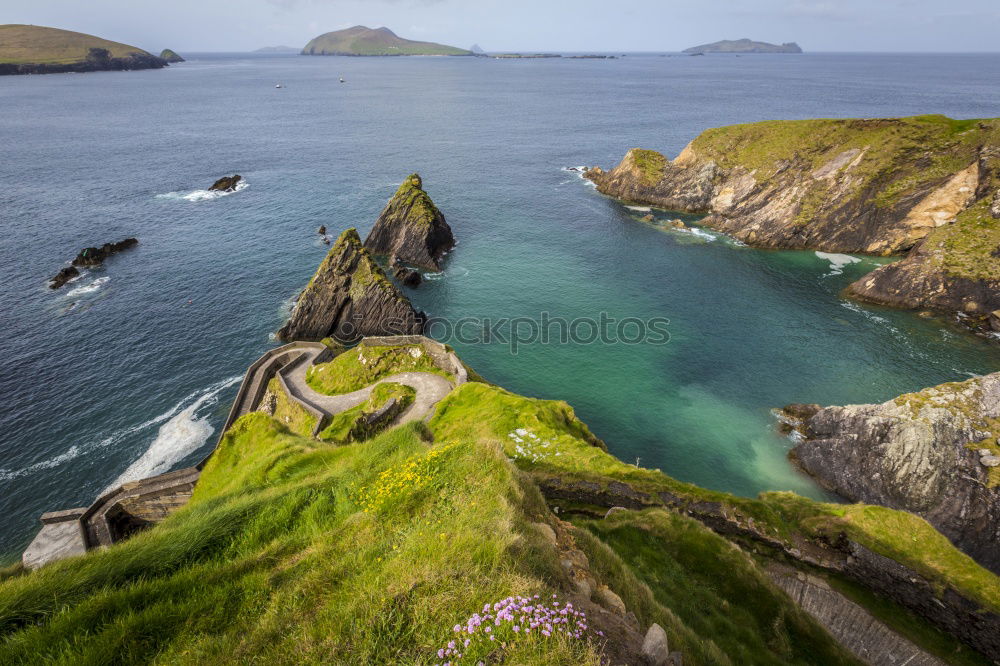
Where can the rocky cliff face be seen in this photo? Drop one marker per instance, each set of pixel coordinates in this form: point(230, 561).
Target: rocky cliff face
point(883, 186)
point(350, 297)
point(933, 453)
point(411, 229)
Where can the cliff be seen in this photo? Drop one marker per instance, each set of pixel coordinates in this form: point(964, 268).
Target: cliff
point(31, 49)
point(411, 229)
point(744, 46)
point(363, 41)
point(922, 185)
point(933, 453)
point(170, 56)
point(350, 297)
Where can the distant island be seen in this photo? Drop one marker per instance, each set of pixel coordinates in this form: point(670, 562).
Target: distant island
point(362, 41)
point(744, 46)
point(278, 49)
point(35, 49)
point(171, 56)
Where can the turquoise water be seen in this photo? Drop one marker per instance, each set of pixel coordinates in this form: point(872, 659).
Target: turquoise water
point(127, 371)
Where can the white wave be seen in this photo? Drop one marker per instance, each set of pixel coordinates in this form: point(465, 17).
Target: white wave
point(70, 454)
point(451, 272)
point(837, 262)
point(640, 209)
point(203, 195)
point(182, 435)
point(88, 288)
point(870, 316)
point(580, 172)
point(695, 231)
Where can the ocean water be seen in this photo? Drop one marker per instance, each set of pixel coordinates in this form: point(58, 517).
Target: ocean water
point(129, 370)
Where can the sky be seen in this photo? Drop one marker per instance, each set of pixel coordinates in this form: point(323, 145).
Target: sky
point(530, 25)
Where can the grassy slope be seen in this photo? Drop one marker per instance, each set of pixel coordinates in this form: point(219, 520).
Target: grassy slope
point(345, 427)
point(410, 197)
point(290, 413)
point(32, 44)
point(346, 372)
point(902, 155)
point(564, 448)
point(365, 41)
point(295, 552)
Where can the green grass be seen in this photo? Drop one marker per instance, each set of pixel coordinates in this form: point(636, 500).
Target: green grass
point(277, 561)
point(478, 411)
point(715, 589)
point(650, 165)
point(348, 427)
point(412, 200)
point(364, 365)
point(290, 413)
point(34, 44)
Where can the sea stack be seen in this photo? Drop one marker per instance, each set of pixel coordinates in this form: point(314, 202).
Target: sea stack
point(411, 229)
point(350, 297)
point(933, 453)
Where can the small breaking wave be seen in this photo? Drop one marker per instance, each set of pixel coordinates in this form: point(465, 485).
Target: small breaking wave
point(580, 172)
point(88, 288)
point(640, 209)
point(185, 431)
point(837, 262)
point(203, 195)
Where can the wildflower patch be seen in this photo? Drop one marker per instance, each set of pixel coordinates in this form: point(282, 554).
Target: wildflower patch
point(418, 473)
point(487, 637)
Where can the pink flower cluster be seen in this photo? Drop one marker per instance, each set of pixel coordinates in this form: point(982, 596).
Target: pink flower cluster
point(503, 621)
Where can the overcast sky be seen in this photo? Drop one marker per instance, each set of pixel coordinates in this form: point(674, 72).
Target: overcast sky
point(536, 25)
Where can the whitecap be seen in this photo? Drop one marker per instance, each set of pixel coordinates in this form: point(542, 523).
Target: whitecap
point(640, 209)
point(184, 433)
point(88, 288)
point(203, 195)
point(837, 262)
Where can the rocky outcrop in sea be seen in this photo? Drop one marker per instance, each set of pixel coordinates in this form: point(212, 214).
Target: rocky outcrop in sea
point(933, 453)
point(350, 297)
point(226, 183)
point(171, 56)
point(90, 257)
point(411, 229)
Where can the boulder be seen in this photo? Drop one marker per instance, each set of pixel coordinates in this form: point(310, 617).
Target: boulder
point(63, 276)
point(226, 183)
point(322, 230)
point(654, 646)
point(350, 297)
point(405, 276)
point(411, 228)
point(994, 319)
point(607, 598)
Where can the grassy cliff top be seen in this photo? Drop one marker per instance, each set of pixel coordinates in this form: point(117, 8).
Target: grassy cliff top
point(293, 551)
point(364, 41)
point(412, 198)
point(38, 45)
point(923, 148)
point(364, 365)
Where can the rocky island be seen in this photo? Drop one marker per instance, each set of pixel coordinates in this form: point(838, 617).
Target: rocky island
point(33, 49)
point(363, 41)
point(743, 46)
point(411, 229)
point(170, 56)
point(349, 297)
point(922, 187)
point(90, 257)
point(933, 452)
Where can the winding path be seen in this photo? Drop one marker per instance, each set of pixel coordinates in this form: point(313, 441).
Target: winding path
point(430, 390)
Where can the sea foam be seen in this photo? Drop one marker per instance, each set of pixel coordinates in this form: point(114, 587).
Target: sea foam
point(203, 195)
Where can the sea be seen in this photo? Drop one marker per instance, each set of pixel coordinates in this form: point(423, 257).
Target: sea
point(129, 371)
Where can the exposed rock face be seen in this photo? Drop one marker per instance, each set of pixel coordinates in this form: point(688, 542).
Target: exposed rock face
point(928, 453)
point(63, 276)
point(226, 183)
point(406, 276)
point(35, 49)
point(95, 256)
point(170, 56)
point(411, 229)
point(924, 185)
point(350, 297)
